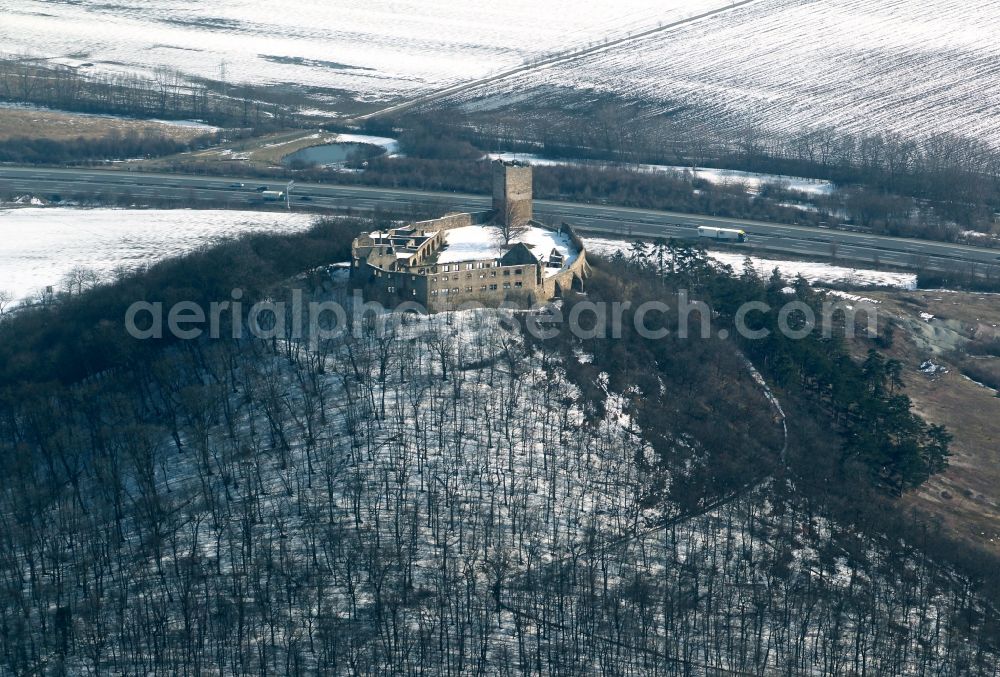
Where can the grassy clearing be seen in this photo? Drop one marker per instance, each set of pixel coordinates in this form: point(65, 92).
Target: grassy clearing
point(60, 126)
point(965, 499)
point(261, 152)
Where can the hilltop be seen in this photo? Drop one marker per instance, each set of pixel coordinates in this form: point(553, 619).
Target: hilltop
point(449, 492)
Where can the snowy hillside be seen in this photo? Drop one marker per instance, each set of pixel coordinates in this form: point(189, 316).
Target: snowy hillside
point(910, 66)
point(434, 499)
point(376, 50)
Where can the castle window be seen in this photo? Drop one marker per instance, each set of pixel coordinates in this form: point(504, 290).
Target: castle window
point(444, 278)
point(434, 293)
point(506, 273)
point(413, 292)
point(483, 288)
point(493, 287)
point(470, 266)
point(518, 271)
point(468, 289)
point(455, 290)
point(506, 285)
point(482, 276)
point(468, 276)
point(390, 289)
point(447, 269)
point(519, 284)
point(493, 274)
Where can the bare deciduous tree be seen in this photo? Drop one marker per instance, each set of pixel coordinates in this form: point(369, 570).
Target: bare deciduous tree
point(510, 226)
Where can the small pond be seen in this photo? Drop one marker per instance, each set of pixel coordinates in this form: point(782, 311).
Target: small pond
point(333, 154)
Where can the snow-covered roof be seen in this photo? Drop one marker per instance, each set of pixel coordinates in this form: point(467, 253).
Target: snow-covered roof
point(474, 243)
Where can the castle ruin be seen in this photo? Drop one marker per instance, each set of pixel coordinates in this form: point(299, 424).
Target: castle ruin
point(460, 258)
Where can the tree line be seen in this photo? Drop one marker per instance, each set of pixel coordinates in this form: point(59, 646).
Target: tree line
point(112, 146)
point(167, 94)
point(81, 333)
point(863, 399)
point(932, 187)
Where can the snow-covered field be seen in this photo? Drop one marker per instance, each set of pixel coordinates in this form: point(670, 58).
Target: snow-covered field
point(815, 272)
point(752, 180)
point(917, 67)
point(377, 49)
point(39, 246)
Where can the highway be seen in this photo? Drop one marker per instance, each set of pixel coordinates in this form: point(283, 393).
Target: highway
point(203, 191)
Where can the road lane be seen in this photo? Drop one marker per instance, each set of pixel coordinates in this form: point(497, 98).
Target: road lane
point(598, 219)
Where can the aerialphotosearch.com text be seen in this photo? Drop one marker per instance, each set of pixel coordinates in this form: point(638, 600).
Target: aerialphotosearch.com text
point(317, 321)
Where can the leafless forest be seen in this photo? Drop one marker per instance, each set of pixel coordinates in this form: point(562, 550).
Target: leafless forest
point(435, 496)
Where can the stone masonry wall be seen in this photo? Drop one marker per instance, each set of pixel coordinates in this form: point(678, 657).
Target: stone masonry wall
point(512, 192)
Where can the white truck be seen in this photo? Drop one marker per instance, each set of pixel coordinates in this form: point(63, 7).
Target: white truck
point(272, 195)
point(723, 234)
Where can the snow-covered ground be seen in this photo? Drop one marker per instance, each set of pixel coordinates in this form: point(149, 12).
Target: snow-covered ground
point(390, 146)
point(478, 242)
point(822, 273)
point(815, 272)
point(916, 67)
point(377, 49)
point(752, 180)
point(39, 246)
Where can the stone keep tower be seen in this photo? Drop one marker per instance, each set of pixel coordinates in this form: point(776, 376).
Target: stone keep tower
point(512, 192)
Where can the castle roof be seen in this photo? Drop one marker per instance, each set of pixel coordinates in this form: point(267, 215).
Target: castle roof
point(518, 255)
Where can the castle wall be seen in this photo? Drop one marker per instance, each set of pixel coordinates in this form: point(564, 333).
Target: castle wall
point(484, 282)
point(446, 222)
point(561, 283)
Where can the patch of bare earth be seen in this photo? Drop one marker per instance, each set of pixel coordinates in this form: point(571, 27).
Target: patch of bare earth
point(60, 126)
point(260, 152)
point(965, 498)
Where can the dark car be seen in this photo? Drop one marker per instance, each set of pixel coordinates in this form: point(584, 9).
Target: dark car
point(261, 189)
point(236, 185)
point(306, 198)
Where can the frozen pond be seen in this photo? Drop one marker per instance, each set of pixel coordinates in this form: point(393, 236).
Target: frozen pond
point(333, 154)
